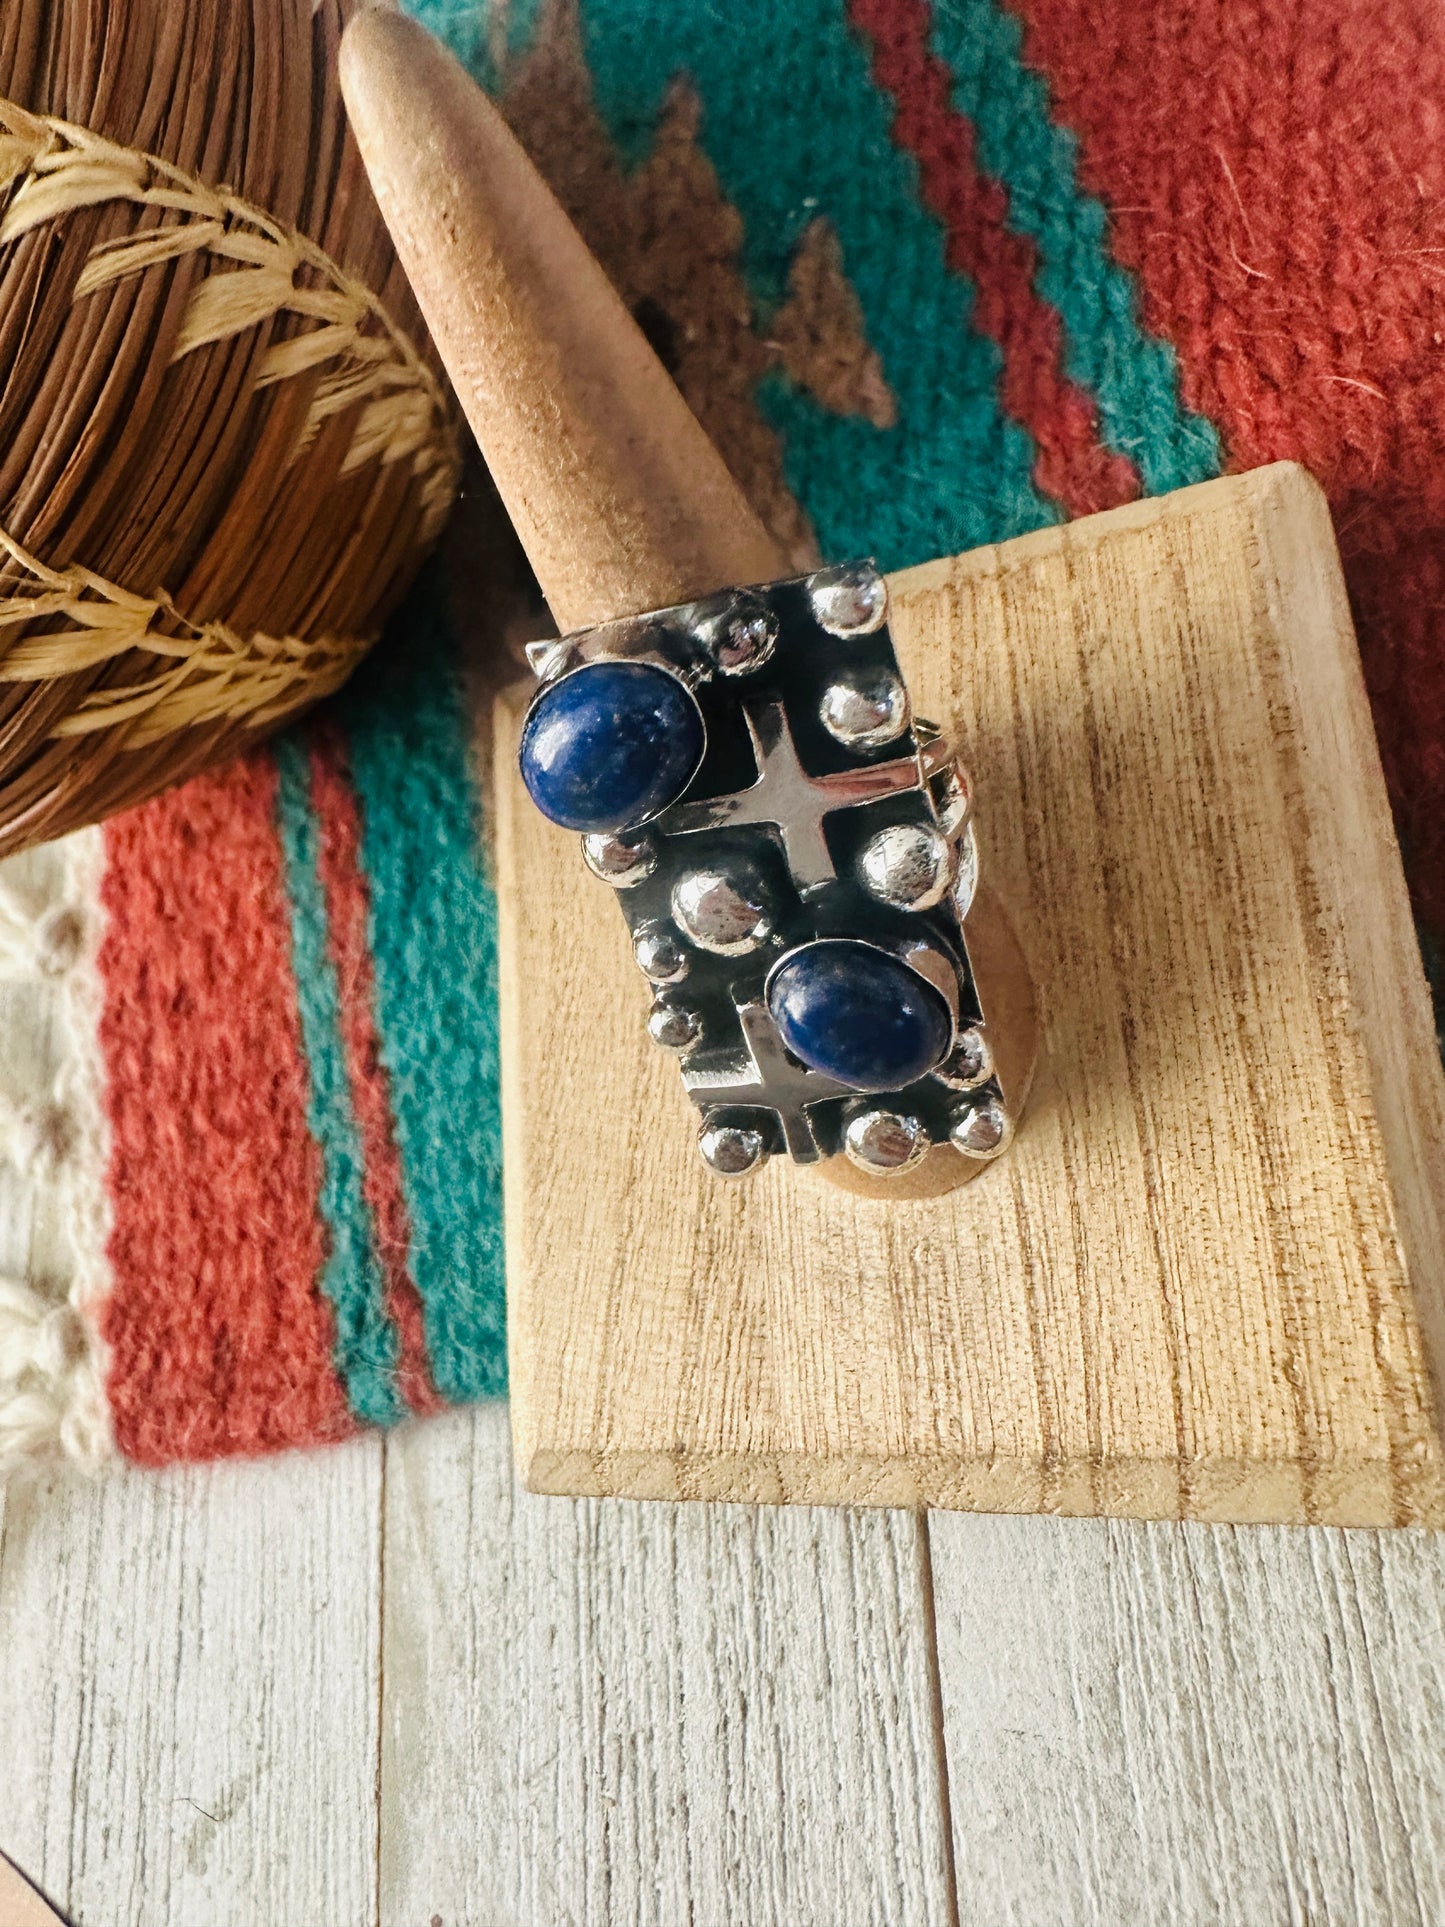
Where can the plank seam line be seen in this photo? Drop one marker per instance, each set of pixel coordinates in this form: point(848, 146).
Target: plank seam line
point(935, 1696)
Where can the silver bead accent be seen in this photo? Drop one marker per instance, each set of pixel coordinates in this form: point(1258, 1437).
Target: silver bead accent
point(741, 638)
point(732, 1150)
point(660, 957)
point(851, 601)
point(952, 795)
point(866, 710)
point(674, 1026)
point(982, 1129)
point(968, 1064)
point(621, 860)
point(909, 865)
point(722, 913)
point(885, 1143)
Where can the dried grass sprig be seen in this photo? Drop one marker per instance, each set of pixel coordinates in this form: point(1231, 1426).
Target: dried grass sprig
point(214, 674)
point(50, 168)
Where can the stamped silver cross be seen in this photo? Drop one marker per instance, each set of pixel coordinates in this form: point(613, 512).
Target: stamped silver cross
point(786, 798)
point(770, 1081)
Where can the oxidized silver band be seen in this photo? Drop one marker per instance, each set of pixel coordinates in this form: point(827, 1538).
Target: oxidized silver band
point(794, 854)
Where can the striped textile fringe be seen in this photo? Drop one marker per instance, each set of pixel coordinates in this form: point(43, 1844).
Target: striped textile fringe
point(52, 1404)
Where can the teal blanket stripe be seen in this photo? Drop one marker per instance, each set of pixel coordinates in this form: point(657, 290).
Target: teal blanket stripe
point(796, 128)
point(1132, 374)
point(366, 1339)
point(434, 947)
point(486, 37)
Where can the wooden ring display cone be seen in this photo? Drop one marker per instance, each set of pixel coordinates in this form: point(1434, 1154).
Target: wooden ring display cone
point(1207, 1280)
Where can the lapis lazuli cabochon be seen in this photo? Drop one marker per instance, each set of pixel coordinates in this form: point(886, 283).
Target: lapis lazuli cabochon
point(858, 1015)
point(611, 745)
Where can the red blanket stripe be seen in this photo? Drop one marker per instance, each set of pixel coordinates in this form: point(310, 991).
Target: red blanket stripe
point(218, 1339)
point(1073, 467)
point(1276, 181)
point(347, 910)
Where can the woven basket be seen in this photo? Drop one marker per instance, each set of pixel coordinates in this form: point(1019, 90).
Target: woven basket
point(224, 442)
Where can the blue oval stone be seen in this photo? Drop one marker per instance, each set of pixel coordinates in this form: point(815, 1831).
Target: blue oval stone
point(610, 745)
point(859, 1015)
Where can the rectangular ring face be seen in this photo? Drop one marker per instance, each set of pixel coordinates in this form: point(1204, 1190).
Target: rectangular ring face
point(798, 908)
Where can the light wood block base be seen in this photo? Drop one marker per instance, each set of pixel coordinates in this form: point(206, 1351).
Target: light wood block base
point(1207, 1280)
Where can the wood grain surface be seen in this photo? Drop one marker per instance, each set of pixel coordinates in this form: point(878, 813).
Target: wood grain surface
point(188, 1692)
point(1187, 1724)
point(599, 1714)
point(1207, 1279)
point(650, 1715)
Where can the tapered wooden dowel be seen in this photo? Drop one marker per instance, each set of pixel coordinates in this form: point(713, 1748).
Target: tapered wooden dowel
point(621, 501)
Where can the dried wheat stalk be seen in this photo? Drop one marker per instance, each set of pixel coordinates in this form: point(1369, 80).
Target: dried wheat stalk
point(215, 674)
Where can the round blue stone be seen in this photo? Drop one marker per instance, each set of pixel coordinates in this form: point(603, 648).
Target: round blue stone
point(859, 1015)
point(609, 746)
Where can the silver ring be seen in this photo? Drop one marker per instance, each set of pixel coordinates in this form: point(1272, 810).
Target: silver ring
point(794, 853)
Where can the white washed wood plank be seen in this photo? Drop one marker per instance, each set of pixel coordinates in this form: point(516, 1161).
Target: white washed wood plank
point(188, 1692)
point(1192, 1725)
point(601, 1711)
